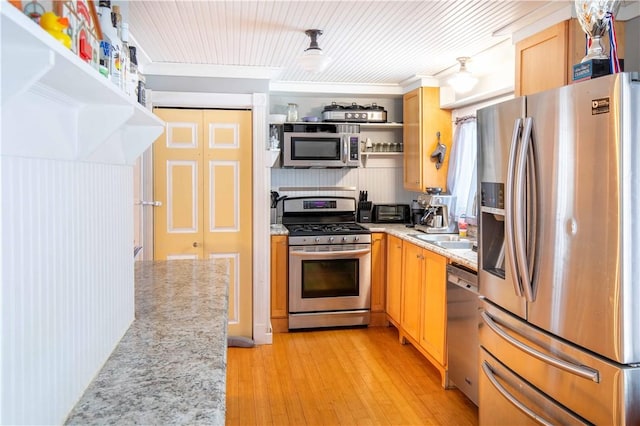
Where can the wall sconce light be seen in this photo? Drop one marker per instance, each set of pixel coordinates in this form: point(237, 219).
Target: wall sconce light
point(313, 59)
point(462, 81)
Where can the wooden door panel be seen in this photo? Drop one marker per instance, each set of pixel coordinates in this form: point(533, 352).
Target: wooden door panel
point(177, 154)
point(182, 197)
point(412, 141)
point(434, 320)
point(542, 60)
point(378, 271)
point(228, 195)
point(224, 193)
point(412, 289)
point(233, 269)
point(203, 177)
point(394, 278)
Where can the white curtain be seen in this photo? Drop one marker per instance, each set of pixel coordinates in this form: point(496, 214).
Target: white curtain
point(461, 177)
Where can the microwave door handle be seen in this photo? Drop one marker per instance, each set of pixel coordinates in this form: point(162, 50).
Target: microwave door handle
point(328, 254)
point(345, 148)
point(578, 370)
point(509, 206)
point(512, 399)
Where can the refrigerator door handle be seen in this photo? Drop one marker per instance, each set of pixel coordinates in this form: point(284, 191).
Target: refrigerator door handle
point(512, 399)
point(577, 370)
point(520, 190)
point(509, 207)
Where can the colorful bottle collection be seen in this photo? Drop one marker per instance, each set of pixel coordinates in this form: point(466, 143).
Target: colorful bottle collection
point(117, 59)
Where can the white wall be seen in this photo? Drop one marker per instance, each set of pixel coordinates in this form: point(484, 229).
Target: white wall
point(67, 281)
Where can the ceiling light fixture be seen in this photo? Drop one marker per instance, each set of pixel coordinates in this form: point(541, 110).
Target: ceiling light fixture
point(313, 59)
point(462, 81)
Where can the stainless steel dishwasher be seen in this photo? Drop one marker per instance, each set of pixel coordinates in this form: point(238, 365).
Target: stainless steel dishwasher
point(462, 329)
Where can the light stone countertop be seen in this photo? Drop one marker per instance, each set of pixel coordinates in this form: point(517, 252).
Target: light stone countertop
point(468, 258)
point(170, 366)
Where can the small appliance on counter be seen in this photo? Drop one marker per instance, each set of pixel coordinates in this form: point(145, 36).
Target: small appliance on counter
point(437, 217)
point(354, 113)
point(391, 213)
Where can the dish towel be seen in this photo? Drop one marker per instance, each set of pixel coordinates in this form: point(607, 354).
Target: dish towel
point(461, 176)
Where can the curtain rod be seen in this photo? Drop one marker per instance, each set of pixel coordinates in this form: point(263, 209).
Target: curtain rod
point(465, 119)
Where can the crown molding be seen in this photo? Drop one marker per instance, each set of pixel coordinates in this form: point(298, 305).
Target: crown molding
point(212, 71)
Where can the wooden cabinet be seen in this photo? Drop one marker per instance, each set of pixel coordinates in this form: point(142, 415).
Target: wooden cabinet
point(434, 313)
point(279, 285)
point(541, 60)
point(412, 279)
point(394, 279)
point(378, 277)
point(423, 119)
point(423, 304)
point(545, 60)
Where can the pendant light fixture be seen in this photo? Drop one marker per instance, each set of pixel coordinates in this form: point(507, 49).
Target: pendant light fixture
point(462, 81)
point(313, 58)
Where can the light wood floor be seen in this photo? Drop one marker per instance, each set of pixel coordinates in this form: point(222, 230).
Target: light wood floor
point(339, 377)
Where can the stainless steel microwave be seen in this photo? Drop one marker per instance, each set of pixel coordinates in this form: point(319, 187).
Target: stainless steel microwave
point(319, 145)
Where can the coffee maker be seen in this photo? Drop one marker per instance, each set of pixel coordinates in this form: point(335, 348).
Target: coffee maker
point(438, 214)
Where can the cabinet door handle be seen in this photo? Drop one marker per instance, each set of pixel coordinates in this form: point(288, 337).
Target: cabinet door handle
point(195, 244)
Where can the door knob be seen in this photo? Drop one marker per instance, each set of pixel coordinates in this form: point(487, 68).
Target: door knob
point(195, 244)
point(151, 203)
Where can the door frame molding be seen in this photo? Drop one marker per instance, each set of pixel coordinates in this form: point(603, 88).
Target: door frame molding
point(257, 103)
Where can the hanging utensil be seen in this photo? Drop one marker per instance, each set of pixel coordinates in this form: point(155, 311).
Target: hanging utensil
point(439, 153)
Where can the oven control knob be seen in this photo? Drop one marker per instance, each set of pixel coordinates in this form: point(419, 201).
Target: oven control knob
point(344, 239)
point(317, 239)
point(356, 238)
point(331, 239)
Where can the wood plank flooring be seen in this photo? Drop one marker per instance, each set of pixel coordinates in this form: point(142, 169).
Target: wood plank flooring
point(339, 377)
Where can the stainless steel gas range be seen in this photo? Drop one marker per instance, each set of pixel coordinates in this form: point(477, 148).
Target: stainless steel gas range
point(329, 263)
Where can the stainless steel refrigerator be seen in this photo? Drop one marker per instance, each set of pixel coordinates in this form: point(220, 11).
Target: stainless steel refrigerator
point(559, 258)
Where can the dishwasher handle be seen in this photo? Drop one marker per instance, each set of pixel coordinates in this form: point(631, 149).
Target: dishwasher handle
point(462, 277)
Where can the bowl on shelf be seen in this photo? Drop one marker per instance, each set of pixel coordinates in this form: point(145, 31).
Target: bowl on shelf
point(277, 118)
point(310, 119)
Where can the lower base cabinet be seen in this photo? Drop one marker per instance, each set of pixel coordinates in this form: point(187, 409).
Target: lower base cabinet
point(378, 278)
point(279, 285)
point(394, 279)
point(423, 304)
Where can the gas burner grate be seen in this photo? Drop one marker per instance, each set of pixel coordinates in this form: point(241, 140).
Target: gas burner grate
point(326, 229)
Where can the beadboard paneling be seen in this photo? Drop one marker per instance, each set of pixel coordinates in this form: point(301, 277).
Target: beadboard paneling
point(384, 184)
point(370, 42)
point(67, 281)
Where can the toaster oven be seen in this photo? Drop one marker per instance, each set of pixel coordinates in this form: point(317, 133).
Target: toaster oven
point(391, 213)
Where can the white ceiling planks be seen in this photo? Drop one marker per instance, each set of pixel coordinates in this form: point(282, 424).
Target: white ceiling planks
point(380, 42)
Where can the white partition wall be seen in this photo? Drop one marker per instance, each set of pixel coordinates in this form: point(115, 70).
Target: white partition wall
point(67, 292)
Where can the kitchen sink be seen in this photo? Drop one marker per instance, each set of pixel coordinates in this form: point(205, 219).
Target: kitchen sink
point(436, 237)
point(446, 241)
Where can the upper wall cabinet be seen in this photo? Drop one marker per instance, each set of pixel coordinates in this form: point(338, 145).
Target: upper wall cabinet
point(56, 106)
point(545, 60)
point(427, 140)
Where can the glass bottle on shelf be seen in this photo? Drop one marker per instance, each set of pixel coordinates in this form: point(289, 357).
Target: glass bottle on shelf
point(274, 140)
point(292, 113)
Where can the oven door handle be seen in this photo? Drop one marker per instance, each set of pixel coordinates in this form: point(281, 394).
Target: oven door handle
point(329, 253)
